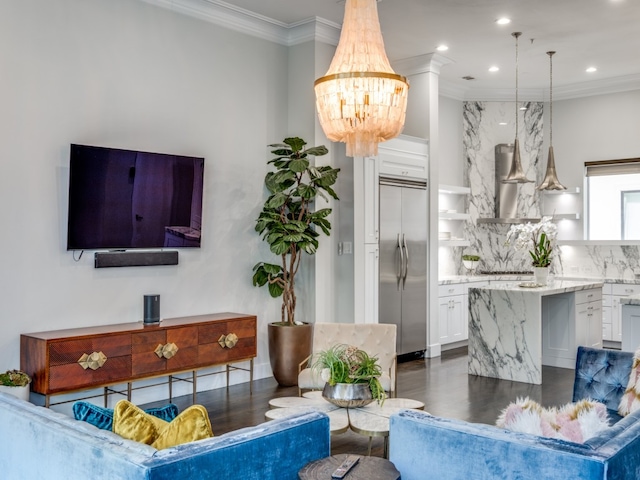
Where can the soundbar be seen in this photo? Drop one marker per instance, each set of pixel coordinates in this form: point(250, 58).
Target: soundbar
point(135, 259)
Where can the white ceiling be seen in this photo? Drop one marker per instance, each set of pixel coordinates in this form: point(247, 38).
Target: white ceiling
point(600, 33)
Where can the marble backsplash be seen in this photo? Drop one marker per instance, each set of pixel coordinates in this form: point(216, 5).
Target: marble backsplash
point(483, 129)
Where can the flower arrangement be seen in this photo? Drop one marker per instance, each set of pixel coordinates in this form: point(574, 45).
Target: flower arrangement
point(537, 238)
point(14, 378)
point(348, 364)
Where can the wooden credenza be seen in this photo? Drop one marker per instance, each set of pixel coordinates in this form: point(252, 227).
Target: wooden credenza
point(64, 361)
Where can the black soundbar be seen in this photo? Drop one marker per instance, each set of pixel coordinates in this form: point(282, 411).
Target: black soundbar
point(135, 259)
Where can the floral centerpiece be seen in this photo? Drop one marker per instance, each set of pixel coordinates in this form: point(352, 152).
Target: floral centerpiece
point(538, 238)
point(346, 364)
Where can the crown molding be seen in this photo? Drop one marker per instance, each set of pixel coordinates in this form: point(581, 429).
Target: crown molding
point(318, 29)
point(250, 23)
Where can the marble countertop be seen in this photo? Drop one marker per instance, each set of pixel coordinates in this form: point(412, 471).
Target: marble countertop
point(630, 300)
point(553, 287)
point(453, 279)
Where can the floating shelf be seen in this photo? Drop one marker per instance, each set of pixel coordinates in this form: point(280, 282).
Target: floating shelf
point(454, 243)
point(454, 189)
point(562, 192)
point(454, 216)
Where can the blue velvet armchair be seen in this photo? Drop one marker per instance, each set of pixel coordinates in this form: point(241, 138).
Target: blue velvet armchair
point(424, 447)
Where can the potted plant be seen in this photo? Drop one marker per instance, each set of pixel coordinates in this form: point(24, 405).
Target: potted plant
point(351, 376)
point(289, 225)
point(470, 262)
point(539, 240)
point(16, 383)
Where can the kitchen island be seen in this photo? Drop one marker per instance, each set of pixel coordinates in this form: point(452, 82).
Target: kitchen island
point(514, 329)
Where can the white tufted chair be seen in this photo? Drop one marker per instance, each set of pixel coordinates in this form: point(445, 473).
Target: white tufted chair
point(377, 339)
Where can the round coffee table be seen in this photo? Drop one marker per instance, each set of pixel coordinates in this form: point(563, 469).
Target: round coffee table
point(367, 468)
point(371, 420)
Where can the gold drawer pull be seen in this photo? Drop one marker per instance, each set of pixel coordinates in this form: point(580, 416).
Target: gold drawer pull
point(228, 341)
point(93, 361)
point(166, 351)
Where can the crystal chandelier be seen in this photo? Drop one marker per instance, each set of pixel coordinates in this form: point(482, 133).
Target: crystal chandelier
point(516, 174)
point(551, 181)
point(361, 101)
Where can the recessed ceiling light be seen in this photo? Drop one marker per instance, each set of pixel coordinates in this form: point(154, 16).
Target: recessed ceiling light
point(494, 69)
point(442, 48)
point(503, 123)
point(592, 69)
point(523, 108)
point(503, 21)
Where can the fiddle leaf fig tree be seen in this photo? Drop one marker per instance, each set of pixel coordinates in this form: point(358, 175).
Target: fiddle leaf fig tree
point(287, 222)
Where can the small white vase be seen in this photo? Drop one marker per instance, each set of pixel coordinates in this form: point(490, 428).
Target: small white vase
point(21, 392)
point(541, 275)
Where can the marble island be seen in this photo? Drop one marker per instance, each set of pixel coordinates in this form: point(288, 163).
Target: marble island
point(513, 330)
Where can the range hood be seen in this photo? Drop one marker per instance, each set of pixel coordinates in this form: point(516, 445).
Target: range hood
point(506, 194)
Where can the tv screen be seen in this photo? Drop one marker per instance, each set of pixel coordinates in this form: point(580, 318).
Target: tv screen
point(125, 199)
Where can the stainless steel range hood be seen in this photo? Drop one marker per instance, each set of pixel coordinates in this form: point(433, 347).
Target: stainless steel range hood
point(506, 194)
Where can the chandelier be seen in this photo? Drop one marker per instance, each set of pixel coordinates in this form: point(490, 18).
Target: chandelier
point(516, 174)
point(551, 181)
point(361, 101)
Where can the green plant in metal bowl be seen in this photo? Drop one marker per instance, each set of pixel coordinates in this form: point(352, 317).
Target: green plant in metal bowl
point(347, 364)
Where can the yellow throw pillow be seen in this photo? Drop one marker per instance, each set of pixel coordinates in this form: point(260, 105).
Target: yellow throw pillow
point(133, 423)
point(191, 425)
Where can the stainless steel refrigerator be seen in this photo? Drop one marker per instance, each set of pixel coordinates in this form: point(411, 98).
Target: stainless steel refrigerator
point(403, 262)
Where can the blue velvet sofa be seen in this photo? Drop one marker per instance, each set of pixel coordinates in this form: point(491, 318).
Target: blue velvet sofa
point(424, 447)
point(39, 443)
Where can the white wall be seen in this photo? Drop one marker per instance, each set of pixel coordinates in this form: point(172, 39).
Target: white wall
point(122, 73)
point(451, 152)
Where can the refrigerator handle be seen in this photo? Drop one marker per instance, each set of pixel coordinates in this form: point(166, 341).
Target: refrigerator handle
point(406, 261)
point(399, 273)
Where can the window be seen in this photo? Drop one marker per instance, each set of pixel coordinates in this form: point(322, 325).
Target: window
point(613, 200)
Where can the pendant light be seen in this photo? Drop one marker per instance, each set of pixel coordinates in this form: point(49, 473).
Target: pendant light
point(361, 101)
point(551, 181)
point(516, 174)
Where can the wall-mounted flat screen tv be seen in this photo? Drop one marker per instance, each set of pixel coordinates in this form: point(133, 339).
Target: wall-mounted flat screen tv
point(125, 199)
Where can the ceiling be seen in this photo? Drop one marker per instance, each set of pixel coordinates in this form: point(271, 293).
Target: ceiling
point(584, 33)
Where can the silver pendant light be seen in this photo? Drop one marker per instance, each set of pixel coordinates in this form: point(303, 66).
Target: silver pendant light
point(551, 181)
point(516, 174)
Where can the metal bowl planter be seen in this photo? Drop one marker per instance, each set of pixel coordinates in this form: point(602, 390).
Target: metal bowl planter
point(348, 395)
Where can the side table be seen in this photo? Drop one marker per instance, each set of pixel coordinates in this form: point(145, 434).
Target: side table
point(368, 468)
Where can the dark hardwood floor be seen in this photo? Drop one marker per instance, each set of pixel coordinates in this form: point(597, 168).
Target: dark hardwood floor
point(441, 383)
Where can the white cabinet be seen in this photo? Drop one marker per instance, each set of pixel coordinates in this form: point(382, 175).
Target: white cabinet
point(452, 318)
point(611, 310)
point(404, 158)
point(589, 318)
point(569, 320)
point(631, 327)
point(371, 253)
point(452, 213)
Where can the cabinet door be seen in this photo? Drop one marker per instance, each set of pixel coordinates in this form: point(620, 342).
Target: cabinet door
point(456, 322)
point(606, 323)
point(443, 319)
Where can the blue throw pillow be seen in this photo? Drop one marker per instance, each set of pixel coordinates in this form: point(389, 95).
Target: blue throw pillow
point(103, 417)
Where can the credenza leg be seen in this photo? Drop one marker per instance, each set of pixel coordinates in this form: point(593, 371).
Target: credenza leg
point(106, 397)
point(251, 377)
point(129, 391)
point(194, 377)
point(170, 388)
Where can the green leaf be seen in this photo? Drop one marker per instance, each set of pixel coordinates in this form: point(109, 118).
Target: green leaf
point(292, 237)
point(306, 191)
point(317, 151)
point(298, 165)
point(280, 247)
point(282, 152)
point(296, 143)
point(275, 290)
point(271, 268)
point(277, 200)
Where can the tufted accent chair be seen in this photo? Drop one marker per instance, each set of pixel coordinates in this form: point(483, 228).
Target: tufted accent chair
point(377, 339)
point(602, 375)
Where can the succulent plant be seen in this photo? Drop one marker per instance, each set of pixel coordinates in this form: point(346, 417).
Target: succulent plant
point(14, 378)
